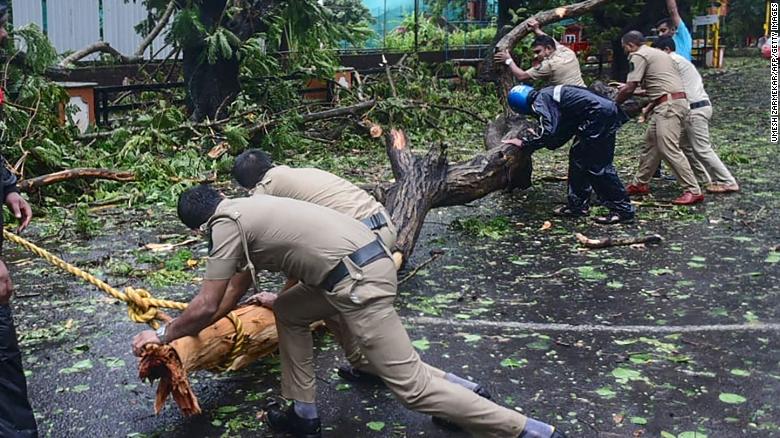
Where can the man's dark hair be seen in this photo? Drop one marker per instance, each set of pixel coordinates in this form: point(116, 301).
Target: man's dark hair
point(633, 37)
point(665, 42)
point(544, 41)
point(667, 21)
point(197, 204)
point(250, 167)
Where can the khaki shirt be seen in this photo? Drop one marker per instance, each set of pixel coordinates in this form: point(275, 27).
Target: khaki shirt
point(300, 239)
point(655, 71)
point(561, 68)
point(691, 79)
point(318, 187)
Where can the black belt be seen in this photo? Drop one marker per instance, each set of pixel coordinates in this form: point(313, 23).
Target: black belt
point(375, 221)
point(362, 257)
point(700, 104)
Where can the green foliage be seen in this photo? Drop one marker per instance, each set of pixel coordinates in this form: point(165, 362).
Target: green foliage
point(221, 44)
point(187, 28)
point(431, 36)
point(350, 13)
point(39, 52)
point(494, 228)
point(85, 224)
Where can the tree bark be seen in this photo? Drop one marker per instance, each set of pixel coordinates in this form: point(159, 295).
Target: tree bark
point(211, 88)
point(100, 46)
point(429, 181)
point(33, 184)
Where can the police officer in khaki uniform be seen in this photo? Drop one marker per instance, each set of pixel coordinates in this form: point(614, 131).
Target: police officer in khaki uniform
point(557, 63)
point(255, 170)
point(655, 70)
point(343, 270)
point(695, 142)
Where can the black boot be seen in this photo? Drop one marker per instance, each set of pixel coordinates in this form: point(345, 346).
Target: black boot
point(449, 425)
point(288, 421)
point(352, 374)
point(555, 434)
point(537, 429)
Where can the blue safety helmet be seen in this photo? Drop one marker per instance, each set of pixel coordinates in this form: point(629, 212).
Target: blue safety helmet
point(519, 98)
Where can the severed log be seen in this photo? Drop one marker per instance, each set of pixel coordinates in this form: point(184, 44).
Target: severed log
point(617, 241)
point(208, 351)
point(33, 184)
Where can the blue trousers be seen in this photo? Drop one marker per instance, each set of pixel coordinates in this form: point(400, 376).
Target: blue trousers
point(16, 414)
point(591, 170)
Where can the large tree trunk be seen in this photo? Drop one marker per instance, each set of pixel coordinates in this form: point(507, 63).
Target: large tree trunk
point(212, 87)
point(429, 181)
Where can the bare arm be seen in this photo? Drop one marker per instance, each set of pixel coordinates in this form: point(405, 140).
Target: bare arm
point(201, 311)
point(518, 72)
point(235, 290)
point(671, 6)
point(625, 92)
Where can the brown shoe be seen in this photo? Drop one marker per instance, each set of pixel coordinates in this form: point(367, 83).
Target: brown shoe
point(723, 188)
point(688, 198)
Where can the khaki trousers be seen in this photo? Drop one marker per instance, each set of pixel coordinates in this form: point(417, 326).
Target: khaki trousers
point(364, 303)
point(662, 141)
point(348, 342)
point(696, 145)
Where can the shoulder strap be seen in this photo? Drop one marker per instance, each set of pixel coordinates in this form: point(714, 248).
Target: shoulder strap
point(234, 217)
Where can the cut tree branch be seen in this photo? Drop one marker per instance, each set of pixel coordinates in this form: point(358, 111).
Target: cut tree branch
point(33, 184)
point(100, 46)
point(607, 242)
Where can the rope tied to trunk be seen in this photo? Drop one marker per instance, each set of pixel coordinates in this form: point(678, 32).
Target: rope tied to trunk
point(142, 307)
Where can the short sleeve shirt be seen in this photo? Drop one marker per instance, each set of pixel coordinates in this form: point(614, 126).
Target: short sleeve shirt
point(318, 187)
point(560, 68)
point(655, 71)
point(691, 79)
point(682, 41)
point(300, 239)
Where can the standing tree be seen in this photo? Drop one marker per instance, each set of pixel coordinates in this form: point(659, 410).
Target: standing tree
point(214, 34)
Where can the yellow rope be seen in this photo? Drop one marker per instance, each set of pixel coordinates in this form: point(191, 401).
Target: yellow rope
point(142, 307)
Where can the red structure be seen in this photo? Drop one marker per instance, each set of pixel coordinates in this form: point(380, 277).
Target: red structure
point(476, 9)
point(573, 39)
